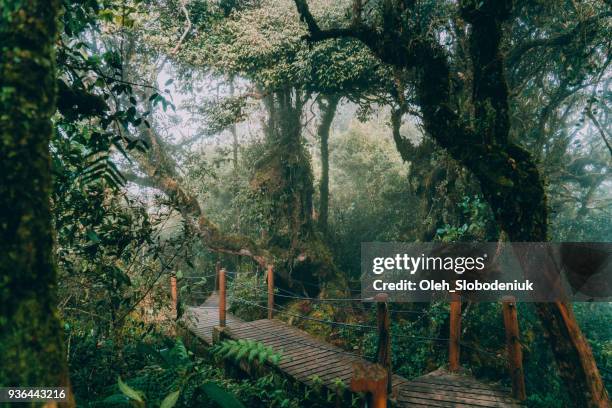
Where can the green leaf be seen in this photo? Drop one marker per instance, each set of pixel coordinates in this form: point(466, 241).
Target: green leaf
point(275, 359)
point(243, 352)
point(93, 237)
point(252, 354)
point(170, 400)
point(220, 396)
point(263, 356)
point(116, 399)
point(128, 391)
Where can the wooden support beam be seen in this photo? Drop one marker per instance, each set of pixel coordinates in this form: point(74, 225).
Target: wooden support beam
point(174, 294)
point(513, 345)
point(370, 378)
point(383, 354)
point(455, 332)
point(270, 292)
point(222, 304)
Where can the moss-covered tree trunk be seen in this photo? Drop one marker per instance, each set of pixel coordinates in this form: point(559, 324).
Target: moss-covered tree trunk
point(328, 105)
point(514, 188)
point(283, 176)
point(31, 347)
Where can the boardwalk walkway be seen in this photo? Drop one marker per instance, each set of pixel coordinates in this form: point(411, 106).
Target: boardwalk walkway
point(304, 358)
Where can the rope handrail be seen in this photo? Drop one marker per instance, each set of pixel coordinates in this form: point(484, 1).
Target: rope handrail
point(198, 277)
point(293, 295)
point(330, 322)
point(343, 324)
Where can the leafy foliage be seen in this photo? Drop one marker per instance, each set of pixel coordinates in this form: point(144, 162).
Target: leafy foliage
point(117, 243)
point(247, 349)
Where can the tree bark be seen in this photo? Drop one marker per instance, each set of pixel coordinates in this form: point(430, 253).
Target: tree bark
point(31, 343)
point(328, 111)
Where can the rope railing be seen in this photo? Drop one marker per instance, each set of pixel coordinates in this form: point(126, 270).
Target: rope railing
point(283, 310)
point(292, 295)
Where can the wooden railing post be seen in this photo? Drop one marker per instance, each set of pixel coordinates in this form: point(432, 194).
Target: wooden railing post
point(217, 270)
point(513, 345)
point(270, 291)
point(383, 354)
point(222, 305)
point(455, 332)
point(370, 378)
point(174, 293)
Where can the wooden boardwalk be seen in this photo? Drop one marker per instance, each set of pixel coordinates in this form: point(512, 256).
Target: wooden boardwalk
point(201, 320)
point(306, 358)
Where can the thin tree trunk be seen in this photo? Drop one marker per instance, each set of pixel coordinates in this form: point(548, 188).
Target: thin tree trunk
point(234, 133)
point(31, 343)
point(328, 107)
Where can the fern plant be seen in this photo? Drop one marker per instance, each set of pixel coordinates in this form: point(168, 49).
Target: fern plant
point(246, 349)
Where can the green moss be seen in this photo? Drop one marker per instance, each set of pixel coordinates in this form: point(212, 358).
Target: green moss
point(30, 333)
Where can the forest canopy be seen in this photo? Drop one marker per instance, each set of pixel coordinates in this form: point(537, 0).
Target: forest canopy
point(147, 143)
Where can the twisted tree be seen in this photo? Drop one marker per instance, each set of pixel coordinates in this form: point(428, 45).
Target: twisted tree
point(406, 35)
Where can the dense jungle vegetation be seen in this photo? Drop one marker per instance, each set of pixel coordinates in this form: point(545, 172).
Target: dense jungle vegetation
point(142, 140)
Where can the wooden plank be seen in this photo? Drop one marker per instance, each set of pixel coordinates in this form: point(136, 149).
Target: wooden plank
point(296, 361)
point(451, 387)
point(314, 366)
point(442, 376)
point(340, 372)
point(462, 383)
point(458, 398)
point(408, 401)
point(269, 340)
point(302, 340)
point(321, 368)
point(432, 389)
point(300, 359)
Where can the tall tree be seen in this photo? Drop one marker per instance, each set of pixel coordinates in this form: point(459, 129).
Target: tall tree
point(327, 105)
point(30, 332)
point(280, 71)
point(476, 137)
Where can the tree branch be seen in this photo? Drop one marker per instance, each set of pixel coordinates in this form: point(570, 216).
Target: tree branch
point(560, 40)
point(187, 27)
point(601, 130)
point(161, 174)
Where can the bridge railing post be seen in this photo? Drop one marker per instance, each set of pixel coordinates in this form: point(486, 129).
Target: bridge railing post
point(222, 304)
point(454, 347)
point(217, 270)
point(174, 294)
point(513, 346)
point(270, 292)
point(372, 379)
point(383, 354)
